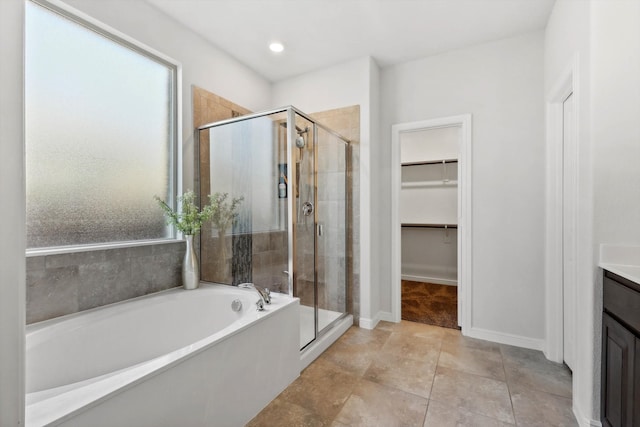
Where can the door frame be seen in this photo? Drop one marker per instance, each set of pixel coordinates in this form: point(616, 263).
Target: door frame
point(465, 212)
point(567, 84)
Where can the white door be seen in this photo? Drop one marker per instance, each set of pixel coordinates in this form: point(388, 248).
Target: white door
point(569, 201)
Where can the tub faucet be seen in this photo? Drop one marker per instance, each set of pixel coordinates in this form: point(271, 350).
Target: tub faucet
point(265, 295)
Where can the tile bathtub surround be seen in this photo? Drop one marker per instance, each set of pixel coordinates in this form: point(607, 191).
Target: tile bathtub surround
point(68, 283)
point(411, 374)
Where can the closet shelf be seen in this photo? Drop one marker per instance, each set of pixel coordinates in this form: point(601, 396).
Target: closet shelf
point(420, 225)
point(421, 184)
point(429, 162)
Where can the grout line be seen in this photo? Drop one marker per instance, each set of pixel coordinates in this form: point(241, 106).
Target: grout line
point(424, 419)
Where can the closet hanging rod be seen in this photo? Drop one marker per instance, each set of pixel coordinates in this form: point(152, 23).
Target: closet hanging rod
point(430, 162)
point(431, 225)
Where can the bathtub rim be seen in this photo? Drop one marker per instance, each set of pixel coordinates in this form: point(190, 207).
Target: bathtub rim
point(58, 408)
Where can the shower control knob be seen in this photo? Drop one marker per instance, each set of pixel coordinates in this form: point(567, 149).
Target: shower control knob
point(307, 208)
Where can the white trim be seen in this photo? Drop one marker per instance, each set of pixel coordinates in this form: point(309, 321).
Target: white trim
point(12, 227)
point(566, 85)
point(502, 338)
point(465, 213)
point(385, 316)
point(582, 420)
point(434, 280)
point(104, 29)
point(367, 323)
point(97, 247)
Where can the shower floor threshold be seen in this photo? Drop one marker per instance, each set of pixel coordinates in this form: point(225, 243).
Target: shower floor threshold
point(325, 318)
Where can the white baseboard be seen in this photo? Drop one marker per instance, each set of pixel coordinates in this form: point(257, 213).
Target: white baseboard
point(502, 338)
point(428, 279)
point(386, 316)
point(372, 323)
point(582, 420)
point(367, 323)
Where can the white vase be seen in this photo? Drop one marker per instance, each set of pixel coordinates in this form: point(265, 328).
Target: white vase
point(190, 267)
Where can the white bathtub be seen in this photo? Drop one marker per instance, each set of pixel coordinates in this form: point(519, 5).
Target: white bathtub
point(176, 358)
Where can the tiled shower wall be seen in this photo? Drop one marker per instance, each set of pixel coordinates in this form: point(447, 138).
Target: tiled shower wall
point(67, 283)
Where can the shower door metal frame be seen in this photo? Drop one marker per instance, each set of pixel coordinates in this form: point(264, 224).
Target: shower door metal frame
point(315, 232)
point(291, 205)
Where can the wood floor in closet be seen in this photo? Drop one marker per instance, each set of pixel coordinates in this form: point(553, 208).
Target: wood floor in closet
point(430, 303)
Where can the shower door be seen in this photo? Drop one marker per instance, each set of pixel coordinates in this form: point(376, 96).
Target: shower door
point(319, 218)
point(303, 158)
point(331, 236)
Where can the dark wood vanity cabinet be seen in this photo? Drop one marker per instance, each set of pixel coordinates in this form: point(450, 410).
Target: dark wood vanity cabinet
point(620, 352)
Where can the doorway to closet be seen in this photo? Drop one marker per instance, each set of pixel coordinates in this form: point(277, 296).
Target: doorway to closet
point(429, 221)
point(430, 214)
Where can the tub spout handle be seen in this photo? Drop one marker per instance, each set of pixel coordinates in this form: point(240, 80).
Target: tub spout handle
point(265, 295)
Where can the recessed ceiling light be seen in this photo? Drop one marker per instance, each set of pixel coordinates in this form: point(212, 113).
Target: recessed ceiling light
point(276, 47)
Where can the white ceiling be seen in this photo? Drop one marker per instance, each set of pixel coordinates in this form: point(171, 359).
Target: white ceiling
point(319, 33)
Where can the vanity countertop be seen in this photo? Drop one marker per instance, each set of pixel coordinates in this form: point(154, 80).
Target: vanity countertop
point(629, 272)
point(621, 260)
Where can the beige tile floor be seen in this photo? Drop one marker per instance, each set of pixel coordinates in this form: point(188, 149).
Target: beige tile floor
point(410, 374)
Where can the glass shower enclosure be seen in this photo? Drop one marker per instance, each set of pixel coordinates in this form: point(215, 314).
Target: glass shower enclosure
point(288, 177)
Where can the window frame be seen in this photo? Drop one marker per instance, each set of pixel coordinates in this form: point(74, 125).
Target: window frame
point(175, 132)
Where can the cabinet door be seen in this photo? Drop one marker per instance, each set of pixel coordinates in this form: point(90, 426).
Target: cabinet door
point(636, 387)
point(618, 359)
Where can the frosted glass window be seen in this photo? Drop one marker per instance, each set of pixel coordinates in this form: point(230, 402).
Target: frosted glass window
point(100, 135)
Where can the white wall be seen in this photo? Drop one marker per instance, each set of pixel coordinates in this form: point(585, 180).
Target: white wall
point(501, 85)
point(605, 36)
point(350, 83)
point(376, 202)
point(203, 64)
point(616, 115)
point(12, 228)
point(615, 136)
point(567, 39)
point(337, 86)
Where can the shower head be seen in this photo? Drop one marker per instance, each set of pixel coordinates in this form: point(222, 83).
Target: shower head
point(299, 130)
point(300, 142)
